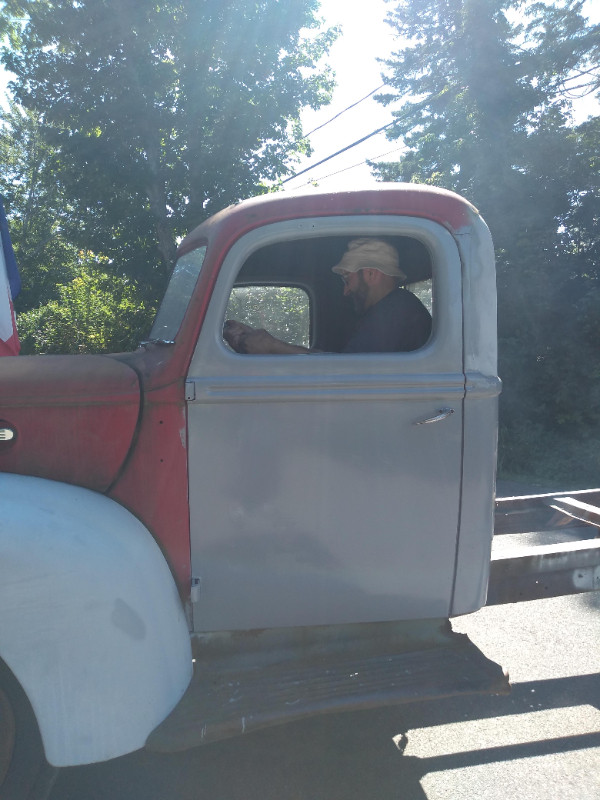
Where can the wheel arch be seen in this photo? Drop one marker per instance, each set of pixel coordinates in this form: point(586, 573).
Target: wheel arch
point(91, 622)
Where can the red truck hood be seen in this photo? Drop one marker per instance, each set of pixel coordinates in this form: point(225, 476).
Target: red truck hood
point(73, 417)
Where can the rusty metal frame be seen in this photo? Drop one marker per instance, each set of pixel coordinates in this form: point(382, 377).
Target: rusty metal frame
point(543, 512)
point(539, 571)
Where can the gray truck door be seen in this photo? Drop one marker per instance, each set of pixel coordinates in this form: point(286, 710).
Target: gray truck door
point(315, 497)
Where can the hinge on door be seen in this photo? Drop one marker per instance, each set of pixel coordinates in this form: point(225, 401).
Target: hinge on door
point(195, 589)
point(190, 390)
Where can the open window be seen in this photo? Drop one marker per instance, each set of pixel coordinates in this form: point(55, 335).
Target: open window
point(289, 289)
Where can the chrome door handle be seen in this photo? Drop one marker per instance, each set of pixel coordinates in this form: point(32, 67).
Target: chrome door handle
point(443, 413)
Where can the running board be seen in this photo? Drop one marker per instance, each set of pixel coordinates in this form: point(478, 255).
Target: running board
point(245, 681)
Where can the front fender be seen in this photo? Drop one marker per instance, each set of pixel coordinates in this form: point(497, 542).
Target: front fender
point(91, 623)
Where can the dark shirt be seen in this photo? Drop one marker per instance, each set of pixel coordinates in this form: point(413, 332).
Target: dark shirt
point(399, 322)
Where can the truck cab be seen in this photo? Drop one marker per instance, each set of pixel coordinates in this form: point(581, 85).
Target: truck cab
point(335, 488)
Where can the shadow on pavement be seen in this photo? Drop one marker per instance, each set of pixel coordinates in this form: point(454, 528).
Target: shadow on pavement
point(352, 756)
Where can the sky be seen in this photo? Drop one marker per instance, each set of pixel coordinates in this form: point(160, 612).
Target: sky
point(365, 38)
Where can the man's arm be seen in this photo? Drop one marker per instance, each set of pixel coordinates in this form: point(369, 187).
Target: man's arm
point(256, 341)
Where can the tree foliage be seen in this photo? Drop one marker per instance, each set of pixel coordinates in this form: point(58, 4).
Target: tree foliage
point(82, 317)
point(161, 113)
point(39, 212)
point(282, 310)
point(484, 110)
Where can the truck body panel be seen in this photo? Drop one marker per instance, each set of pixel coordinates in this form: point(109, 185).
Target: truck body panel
point(92, 625)
point(73, 418)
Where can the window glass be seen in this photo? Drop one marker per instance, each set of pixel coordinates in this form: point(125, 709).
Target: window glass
point(177, 297)
point(423, 291)
point(284, 311)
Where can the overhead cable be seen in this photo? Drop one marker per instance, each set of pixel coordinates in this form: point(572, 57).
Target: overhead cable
point(400, 116)
point(345, 169)
point(338, 152)
point(343, 111)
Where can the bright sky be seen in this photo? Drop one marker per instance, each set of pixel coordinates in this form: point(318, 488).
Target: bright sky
point(365, 37)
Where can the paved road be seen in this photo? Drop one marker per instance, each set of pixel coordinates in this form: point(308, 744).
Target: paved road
point(539, 743)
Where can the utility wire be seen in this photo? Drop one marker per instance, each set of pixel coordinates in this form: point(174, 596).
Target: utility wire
point(353, 166)
point(343, 111)
point(413, 108)
point(338, 152)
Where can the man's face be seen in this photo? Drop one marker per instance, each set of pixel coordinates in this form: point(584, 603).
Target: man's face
point(356, 290)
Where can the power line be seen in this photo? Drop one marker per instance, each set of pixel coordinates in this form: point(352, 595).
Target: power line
point(400, 116)
point(338, 152)
point(343, 111)
point(353, 166)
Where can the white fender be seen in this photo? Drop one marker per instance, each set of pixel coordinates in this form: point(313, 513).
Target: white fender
point(91, 623)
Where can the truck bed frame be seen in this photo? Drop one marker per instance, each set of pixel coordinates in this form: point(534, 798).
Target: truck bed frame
point(545, 545)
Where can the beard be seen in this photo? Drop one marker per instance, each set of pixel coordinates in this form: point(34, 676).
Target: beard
point(358, 298)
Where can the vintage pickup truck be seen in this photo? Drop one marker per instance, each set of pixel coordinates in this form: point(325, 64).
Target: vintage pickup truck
point(195, 542)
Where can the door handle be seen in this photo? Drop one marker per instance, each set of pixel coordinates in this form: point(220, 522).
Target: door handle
point(442, 414)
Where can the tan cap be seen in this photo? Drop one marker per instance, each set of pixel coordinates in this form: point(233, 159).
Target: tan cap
point(367, 253)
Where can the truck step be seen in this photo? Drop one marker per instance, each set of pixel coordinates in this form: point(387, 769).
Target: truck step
point(225, 699)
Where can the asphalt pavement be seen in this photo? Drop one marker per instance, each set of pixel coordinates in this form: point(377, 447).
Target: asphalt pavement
point(539, 743)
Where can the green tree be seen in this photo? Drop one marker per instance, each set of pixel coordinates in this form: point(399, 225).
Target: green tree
point(163, 113)
point(485, 111)
point(82, 318)
point(486, 102)
point(38, 210)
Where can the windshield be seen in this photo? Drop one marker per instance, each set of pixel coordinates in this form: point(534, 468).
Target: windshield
point(176, 299)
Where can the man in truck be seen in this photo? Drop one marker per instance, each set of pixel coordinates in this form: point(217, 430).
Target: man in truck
point(392, 319)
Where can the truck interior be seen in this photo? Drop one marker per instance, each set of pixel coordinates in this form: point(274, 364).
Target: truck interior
point(294, 279)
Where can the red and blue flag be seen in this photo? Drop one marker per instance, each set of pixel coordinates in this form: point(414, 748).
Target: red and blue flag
point(10, 285)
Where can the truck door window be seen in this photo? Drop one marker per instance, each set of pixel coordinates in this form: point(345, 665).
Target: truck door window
point(423, 290)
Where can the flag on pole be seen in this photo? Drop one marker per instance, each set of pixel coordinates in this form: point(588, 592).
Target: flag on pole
point(10, 285)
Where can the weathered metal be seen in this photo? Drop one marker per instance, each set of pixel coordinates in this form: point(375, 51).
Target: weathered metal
point(539, 571)
point(246, 681)
point(543, 512)
point(91, 627)
point(324, 527)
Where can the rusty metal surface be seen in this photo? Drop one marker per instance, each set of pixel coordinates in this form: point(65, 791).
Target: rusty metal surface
point(575, 509)
point(546, 511)
point(542, 571)
point(229, 697)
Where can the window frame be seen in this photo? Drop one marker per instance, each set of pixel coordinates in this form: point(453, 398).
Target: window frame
point(442, 353)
